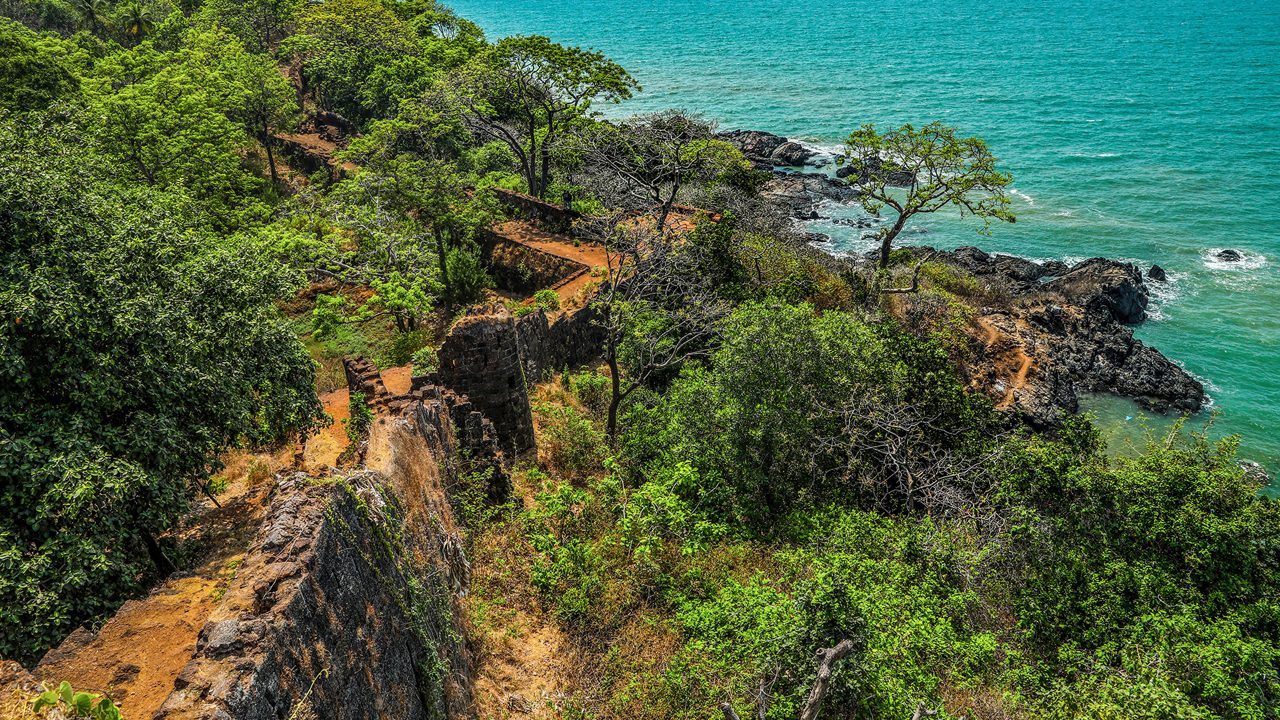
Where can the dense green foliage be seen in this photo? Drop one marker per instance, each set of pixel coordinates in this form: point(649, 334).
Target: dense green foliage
point(774, 458)
point(135, 346)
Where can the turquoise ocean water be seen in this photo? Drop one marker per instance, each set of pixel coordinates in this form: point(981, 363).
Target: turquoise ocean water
point(1141, 130)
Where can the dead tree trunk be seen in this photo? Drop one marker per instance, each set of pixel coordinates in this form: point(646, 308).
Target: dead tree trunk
point(923, 711)
point(728, 711)
point(826, 662)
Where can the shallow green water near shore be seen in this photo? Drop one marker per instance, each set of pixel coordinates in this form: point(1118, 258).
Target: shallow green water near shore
point(1142, 130)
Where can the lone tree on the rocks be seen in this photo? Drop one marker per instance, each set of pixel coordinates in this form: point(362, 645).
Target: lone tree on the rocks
point(923, 171)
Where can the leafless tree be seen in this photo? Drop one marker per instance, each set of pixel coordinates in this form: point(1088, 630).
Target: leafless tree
point(644, 162)
point(655, 306)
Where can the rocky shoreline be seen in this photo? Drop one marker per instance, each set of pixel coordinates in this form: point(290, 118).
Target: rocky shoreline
point(1075, 325)
point(1070, 328)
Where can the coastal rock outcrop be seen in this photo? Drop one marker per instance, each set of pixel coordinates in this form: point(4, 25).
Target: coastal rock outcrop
point(1106, 289)
point(799, 194)
point(791, 154)
point(756, 145)
point(1073, 331)
point(1229, 255)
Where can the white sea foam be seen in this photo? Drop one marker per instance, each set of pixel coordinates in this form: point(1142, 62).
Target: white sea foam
point(1164, 294)
point(1248, 261)
point(1022, 196)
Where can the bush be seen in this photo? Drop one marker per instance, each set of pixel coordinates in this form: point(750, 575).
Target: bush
point(592, 390)
point(467, 277)
point(361, 419)
point(568, 442)
point(405, 346)
point(547, 300)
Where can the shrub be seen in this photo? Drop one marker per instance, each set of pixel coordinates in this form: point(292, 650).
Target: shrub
point(592, 390)
point(426, 360)
point(405, 346)
point(467, 277)
point(568, 442)
point(66, 702)
point(547, 300)
point(361, 418)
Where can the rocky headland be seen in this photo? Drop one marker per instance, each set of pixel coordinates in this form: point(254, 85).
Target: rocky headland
point(1047, 332)
point(1053, 332)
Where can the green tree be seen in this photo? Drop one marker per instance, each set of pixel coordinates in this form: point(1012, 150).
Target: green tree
point(358, 57)
point(645, 162)
point(31, 77)
point(528, 92)
point(249, 88)
point(134, 348)
point(261, 24)
point(170, 126)
point(136, 19)
point(423, 152)
point(937, 169)
point(94, 14)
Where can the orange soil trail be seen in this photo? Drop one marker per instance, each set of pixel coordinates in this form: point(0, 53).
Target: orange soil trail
point(138, 654)
point(324, 448)
point(399, 380)
point(589, 254)
point(1010, 358)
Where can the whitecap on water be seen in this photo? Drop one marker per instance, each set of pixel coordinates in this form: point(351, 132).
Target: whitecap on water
point(1248, 261)
point(1022, 196)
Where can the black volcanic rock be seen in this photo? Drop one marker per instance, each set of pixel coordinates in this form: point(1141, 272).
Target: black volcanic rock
point(1229, 255)
point(798, 194)
point(1075, 329)
point(791, 154)
point(1105, 286)
point(756, 145)
point(1157, 273)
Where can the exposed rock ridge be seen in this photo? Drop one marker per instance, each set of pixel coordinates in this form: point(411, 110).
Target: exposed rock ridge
point(346, 607)
point(1075, 324)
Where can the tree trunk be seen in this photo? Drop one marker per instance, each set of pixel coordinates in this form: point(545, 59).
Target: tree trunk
point(442, 254)
point(162, 563)
point(615, 398)
point(826, 661)
point(728, 711)
point(886, 243)
point(271, 160)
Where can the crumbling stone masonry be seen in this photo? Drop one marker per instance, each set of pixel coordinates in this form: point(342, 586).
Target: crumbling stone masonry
point(480, 358)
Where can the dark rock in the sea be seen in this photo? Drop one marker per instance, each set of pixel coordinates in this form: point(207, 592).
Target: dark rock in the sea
point(791, 154)
point(1229, 255)
point(1054, 268)
point(756, 145)
point(858, 222)
point(816, 237)
point(1106, 288)
point(800, 193)
point(895, 179)
point(1157, 273)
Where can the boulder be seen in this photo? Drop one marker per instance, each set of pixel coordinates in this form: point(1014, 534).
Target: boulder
point(800, 193)
point(1157, 273)
point(1019, 269)
point(1229, 255)
point(1054, 268)
point(756, 145)
point(895, 179)
point(1106, 289)
point(791, 154)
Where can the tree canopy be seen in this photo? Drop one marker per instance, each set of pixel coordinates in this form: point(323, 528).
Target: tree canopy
point(937, 170)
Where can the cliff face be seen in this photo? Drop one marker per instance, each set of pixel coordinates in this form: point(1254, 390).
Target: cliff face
point(328, 596)
point(344, 605)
